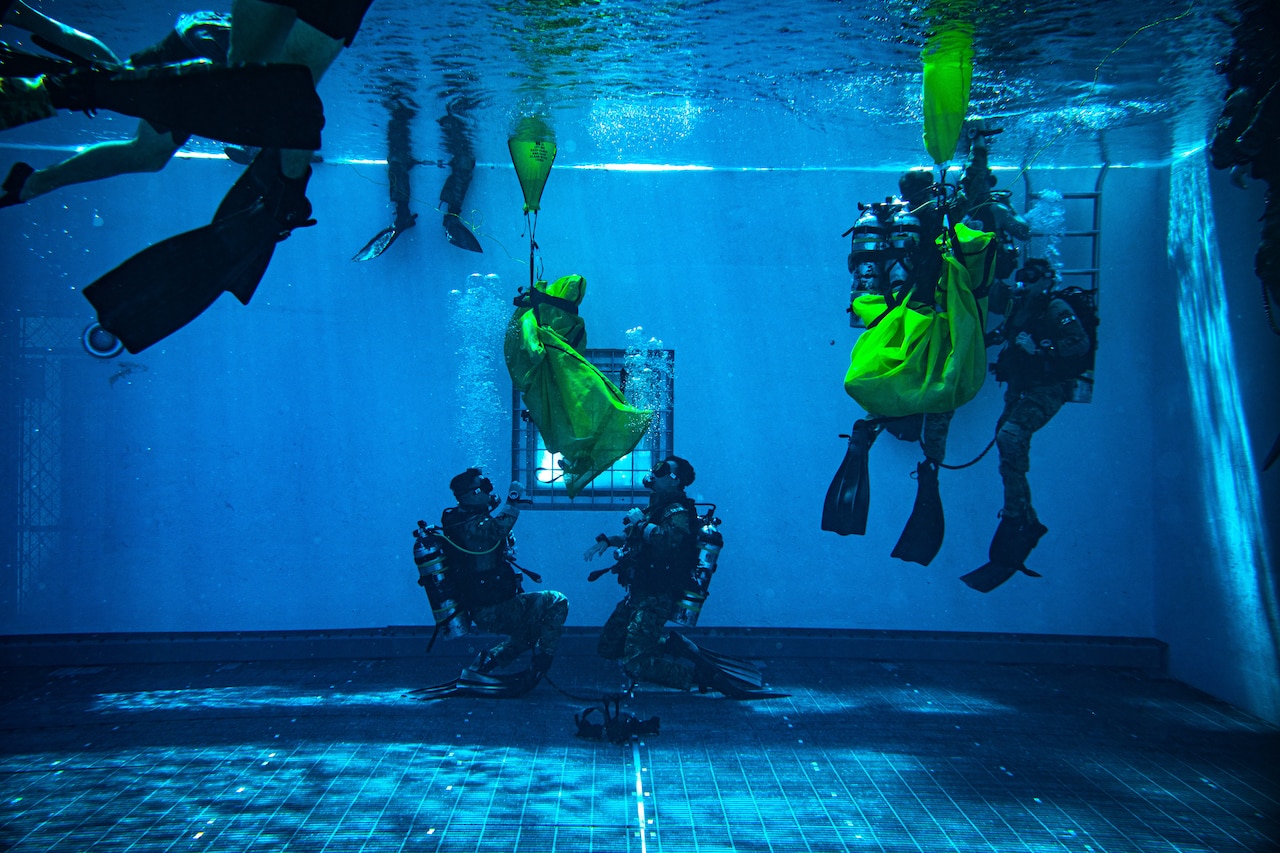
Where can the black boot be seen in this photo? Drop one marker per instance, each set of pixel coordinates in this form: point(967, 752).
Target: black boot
point(1015, 539)
point(483, 663)
point(1013, 542)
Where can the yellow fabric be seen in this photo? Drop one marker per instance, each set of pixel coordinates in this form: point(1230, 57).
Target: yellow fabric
point(533, 150)
point(948, 72)
point(579, 412)
point(918, 358)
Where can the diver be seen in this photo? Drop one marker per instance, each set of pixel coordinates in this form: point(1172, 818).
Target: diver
point(198, 35)
point(657, 557)
point(166, 286)
point(928, 259)
point(400, 161)
point(1046, 347)
point(478, 549)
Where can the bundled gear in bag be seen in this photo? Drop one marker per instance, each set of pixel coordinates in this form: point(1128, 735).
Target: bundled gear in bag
point(578, 411)
point(915, 357)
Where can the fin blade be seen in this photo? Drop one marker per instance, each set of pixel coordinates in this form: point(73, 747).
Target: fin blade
point(922, 536)
point(167, 285)
point(379, 244)
point(989, 576)
point(273, 105)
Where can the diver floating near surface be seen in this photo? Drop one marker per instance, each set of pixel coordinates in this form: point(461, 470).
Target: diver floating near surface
point(167, 285)
point(922, 264)
point(399, 161)
point(462, 164)
point(1049, 338)
point(467, 567)
point(665, 558)
point(1247, 140)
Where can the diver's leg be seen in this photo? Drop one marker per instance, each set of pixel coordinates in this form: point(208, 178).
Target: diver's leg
point(933, 437)
point(550, 611)
point(258, 30)
point(613, 636)
point(643, 658)
point(1027, 412)
point(148, 151)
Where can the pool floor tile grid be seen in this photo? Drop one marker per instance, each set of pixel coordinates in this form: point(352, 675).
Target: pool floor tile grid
point(861, 756)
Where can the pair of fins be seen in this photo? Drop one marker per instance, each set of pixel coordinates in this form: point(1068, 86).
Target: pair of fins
point(272, 105)
point(1014, 540)
point(736, 678)
point(167, 285)
point(848, 500)
point(482, 685)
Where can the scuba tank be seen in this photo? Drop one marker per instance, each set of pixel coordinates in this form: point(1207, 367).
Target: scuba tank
point(434, 577)
point(869, 238)
point(904, 231)
point(710, 541)
point(882, 241)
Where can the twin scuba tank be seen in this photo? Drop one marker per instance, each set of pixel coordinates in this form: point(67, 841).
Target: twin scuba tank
point(698, 583)
point(882, 241)
point(689, 607)
point(434, 576)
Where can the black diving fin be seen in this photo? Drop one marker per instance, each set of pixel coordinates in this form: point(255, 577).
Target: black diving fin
point(482, 685)
point(737, 678)
point(167, 285)
point(1273, 455)
point(459, 234)
point(258, 105)
point(384, 238)
point(849, 496)
point(1012, 544)
point(921, 538)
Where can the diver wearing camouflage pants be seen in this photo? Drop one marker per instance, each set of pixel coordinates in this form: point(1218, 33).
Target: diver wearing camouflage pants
point(477, 547)
point(633, 636)
point(1045, 347)
point(658, 551)
point(1025, 412)
point(531, 620)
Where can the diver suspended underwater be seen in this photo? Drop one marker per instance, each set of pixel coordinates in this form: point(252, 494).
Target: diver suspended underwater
point(1049, 337)
point(921, 272)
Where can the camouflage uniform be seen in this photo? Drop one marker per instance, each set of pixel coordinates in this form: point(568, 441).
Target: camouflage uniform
point(634, 634)
point(1037, 389)
point(490, 588)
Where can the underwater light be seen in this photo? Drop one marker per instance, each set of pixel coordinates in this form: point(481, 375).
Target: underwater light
point(1228, 473)
point(100, 343)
